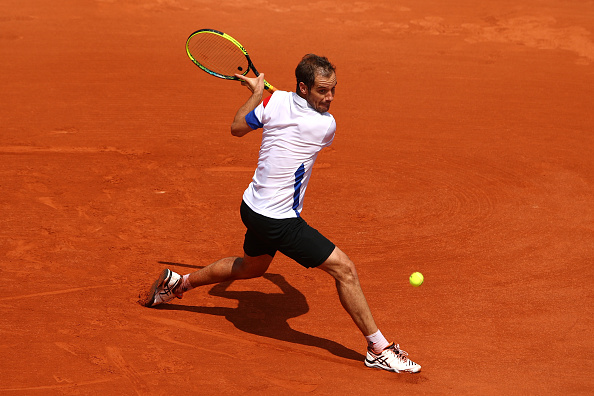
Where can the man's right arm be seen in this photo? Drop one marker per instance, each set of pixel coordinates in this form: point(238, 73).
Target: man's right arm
point(240, 127)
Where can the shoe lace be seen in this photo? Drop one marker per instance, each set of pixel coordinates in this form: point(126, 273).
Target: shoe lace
point(398, 353)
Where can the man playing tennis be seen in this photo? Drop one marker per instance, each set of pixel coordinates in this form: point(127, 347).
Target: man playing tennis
point(296, 127)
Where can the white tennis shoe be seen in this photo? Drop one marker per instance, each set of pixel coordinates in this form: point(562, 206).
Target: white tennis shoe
point(163, 290)
point(392, 359)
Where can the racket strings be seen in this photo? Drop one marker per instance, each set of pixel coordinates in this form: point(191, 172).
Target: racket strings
point(218, 54)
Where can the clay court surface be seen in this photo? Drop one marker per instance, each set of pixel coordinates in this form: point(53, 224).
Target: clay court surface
point(464, 150)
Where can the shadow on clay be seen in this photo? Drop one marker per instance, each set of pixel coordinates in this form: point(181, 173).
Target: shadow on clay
point(266, 314)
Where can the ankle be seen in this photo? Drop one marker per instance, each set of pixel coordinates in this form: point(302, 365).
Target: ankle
point(184, 285)
point(376, 342)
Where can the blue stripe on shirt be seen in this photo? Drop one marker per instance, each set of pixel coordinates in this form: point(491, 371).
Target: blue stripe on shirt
point(298, 180)
point(253, 121)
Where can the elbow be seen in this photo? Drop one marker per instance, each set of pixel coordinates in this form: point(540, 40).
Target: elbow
point(239, 130)
point(236, 132)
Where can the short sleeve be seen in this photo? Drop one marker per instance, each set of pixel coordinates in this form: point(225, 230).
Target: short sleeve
point(254, 117)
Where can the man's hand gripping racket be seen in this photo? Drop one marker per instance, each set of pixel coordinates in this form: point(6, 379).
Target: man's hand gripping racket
point(254, 84)
point(222, 56)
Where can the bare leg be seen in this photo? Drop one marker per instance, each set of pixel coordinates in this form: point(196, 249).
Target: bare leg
point(349, 290)
point(230, 268)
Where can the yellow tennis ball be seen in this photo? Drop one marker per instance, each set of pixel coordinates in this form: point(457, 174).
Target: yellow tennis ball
point(416, 279)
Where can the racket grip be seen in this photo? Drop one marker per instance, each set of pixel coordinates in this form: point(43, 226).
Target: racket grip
point(269, 87)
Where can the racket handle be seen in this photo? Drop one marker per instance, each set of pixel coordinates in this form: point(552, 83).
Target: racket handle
point(269, 87)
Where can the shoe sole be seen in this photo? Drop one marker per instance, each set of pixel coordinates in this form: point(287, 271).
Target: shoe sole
point(153, 290)
point(392, 370)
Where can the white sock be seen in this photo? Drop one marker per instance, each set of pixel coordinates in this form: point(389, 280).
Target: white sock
point(377, 342)
point(185, 284)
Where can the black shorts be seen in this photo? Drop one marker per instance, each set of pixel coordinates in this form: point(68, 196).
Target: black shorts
point(292, 237)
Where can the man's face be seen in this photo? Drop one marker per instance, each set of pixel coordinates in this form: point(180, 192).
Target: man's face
point(321, 94)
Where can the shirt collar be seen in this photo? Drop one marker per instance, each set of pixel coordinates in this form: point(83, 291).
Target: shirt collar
point(301, 102)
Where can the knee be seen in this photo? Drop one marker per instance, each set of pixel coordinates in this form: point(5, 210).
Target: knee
point(248, 270)
point(341, 267)
point(345, 272)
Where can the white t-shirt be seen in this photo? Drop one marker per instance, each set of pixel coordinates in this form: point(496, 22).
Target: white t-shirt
point(293, 135)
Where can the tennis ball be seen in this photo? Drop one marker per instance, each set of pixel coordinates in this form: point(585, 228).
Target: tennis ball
point(416, 279)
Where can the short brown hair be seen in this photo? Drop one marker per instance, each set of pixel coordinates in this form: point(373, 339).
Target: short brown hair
point(311, 65)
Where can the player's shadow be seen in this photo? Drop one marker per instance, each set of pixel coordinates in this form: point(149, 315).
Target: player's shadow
point(266, 315)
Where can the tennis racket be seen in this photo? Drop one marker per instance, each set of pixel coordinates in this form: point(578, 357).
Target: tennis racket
point(220, 55)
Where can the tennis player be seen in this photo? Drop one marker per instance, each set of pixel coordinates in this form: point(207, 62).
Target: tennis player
point(296, 127)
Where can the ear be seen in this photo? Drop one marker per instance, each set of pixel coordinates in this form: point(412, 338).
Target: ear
point(303, 88)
